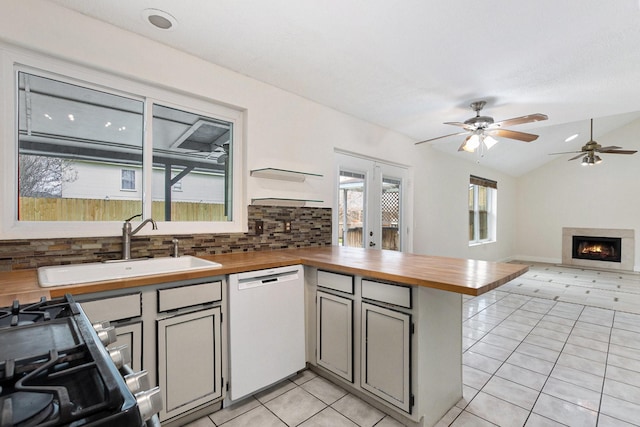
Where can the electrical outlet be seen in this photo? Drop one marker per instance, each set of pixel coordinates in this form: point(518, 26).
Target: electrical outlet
point(287, 226)
point(259, 227)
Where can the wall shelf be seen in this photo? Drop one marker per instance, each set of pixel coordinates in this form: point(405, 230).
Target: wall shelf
point(276, 201)
point(282, 174)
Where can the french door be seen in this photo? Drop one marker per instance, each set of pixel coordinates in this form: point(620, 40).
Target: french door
point(371, 204)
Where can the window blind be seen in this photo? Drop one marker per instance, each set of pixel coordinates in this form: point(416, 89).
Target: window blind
point(483, 182)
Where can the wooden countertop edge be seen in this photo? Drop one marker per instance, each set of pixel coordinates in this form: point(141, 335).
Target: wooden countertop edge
point(450, 287)
point(23, 284)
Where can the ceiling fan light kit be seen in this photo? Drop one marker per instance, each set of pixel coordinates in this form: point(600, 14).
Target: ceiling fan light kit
point(590, 160)
point(483, 129)
point(477, 139)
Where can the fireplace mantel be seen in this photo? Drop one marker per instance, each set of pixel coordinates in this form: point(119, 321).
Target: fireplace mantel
point(628, 247)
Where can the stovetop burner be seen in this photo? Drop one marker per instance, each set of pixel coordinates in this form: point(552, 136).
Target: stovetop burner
point(22, 406)
point(55, 372)
point(42, 311)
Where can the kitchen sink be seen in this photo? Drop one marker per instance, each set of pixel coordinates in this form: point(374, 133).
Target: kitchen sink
point(61, 275)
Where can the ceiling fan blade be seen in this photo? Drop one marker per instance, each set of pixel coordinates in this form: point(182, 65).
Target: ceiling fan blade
point(462, 125)
point(619, 151)
point(512, 134)
point(566, 152)
point(576, 157)
point(520, 120)
point(440, 137)
point(610, 147)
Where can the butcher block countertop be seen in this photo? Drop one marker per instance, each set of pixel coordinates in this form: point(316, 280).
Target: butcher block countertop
point(463, 276)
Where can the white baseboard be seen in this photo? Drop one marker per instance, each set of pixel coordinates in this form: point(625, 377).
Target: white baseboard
point(536, 259)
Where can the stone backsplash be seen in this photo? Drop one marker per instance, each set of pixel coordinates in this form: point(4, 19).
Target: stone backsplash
point(309, 227)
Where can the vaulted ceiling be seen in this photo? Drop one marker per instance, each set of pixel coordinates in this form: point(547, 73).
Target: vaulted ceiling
point(411, 65)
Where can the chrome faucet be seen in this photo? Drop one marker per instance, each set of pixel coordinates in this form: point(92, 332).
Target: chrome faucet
point(127, 233)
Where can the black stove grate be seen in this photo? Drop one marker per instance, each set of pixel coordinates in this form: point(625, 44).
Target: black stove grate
point(55, 372)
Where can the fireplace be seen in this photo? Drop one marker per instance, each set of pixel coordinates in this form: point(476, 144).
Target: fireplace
point(597, 248)
point(608, 248)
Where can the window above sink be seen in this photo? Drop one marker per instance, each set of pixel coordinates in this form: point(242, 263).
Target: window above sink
point(87, 155)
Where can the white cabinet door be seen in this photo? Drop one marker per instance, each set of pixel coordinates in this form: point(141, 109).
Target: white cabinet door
point(386, 354)
point(334, 334)
point(189, 360)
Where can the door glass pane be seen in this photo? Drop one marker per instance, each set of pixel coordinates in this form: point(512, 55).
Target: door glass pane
point(192, 166)
point(390, 213)
point(73, 144)
point(351, 209)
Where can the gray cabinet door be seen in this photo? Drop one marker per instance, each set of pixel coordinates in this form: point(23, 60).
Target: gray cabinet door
point(385, 354)
point(334, 335)
point(189, 360)
point(130, 334)
point(113, 310)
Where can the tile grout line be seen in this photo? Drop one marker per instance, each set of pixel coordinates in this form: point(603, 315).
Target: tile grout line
point(529, 298)
point(551, 371)
point(575, 321)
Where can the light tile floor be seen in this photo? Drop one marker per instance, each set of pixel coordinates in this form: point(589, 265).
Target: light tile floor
point(557, 346)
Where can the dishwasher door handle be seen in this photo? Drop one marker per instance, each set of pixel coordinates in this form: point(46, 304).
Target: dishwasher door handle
point(255, 282)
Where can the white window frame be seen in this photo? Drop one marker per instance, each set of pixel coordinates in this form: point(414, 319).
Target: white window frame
point(492, 196)
point(122, 180)
point(14, 59)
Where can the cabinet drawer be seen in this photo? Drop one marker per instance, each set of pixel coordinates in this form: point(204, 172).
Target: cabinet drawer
point(187, 296)
point(386, 292)
point(113, 308)
point(335, 281)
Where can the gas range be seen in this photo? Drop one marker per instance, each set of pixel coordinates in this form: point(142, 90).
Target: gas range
point(56, 371)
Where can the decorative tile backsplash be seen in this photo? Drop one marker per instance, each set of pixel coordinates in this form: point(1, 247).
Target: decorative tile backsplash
point(309, 227)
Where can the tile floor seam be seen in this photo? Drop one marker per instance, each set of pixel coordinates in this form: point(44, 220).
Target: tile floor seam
point(299, 386)
point(606, 366)
point(340, 412)
point(502, 364)
point(549, 376)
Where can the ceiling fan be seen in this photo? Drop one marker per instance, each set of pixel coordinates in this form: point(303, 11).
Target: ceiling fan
point(589, 150)
point(482, 129)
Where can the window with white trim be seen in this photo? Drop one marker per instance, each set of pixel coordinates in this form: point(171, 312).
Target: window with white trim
point(88, 154)
point(482, 210)
point(128, 179)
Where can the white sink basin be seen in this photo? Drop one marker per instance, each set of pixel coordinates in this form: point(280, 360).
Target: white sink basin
point(101, 271)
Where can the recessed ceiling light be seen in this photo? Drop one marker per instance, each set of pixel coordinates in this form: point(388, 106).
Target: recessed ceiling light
point(159, 19)
point(572, 137)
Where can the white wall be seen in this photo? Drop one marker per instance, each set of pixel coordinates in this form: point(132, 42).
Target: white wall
point(281, 129)
point(565, 194)
point(442, 217)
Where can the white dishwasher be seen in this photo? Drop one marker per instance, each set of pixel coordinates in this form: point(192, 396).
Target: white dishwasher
point(266, 328)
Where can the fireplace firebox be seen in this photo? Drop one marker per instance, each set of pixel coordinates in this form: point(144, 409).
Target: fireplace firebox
point(597, 248)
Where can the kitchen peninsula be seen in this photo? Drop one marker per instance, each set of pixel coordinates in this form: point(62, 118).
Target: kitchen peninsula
point(401, 312)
